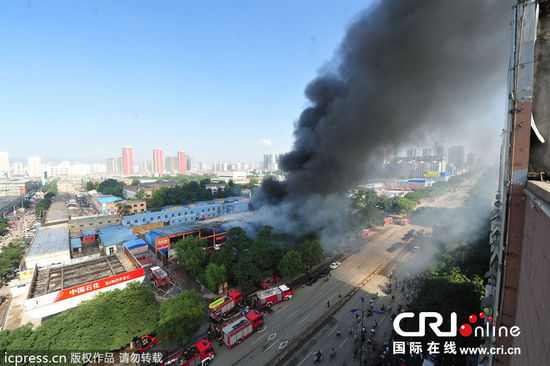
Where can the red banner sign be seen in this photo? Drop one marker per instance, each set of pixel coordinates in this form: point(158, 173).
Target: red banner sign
point(163, 243)
point(99, 284)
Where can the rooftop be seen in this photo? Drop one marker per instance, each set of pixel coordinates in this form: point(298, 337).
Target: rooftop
point(50, 239)
point(111, 235)
point(58, 278)
point(14, 181)
point(107, 199)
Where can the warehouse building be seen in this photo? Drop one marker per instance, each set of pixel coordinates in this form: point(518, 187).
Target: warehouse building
point(79, 224)
point(185, 214)
point(57, 289)
point(49, 246)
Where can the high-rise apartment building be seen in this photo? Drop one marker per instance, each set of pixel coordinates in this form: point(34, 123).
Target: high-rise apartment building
point(190, 163)
point(411, 153)
point(119, 165)
point(34, 166)
point(182, 162)
point(158, 166)
point(110, 165)
point(4, 164)
point(456, 155)
point(426, 152)
point(128, 160)
point(171, 164)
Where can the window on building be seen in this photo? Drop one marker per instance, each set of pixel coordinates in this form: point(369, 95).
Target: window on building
point(144, 220)
point(135, 221)
point(165, 216)
point(159, 217)
point(179, 213)
point(172, 215)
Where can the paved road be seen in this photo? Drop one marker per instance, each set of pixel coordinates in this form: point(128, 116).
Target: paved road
point(290, 318)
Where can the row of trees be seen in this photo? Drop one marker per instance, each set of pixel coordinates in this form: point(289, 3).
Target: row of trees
point(108, 186)
point(4, 225)
point(44, 204)
point(110, 321)
point(188, 192)
point(245, 261)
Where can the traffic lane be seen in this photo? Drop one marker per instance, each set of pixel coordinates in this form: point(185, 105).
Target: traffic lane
point(282, 327)
point(343, 320)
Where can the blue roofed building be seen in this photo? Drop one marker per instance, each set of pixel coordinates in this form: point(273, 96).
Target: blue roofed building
point(106, 205)
point(111, 236)
point(185, 214)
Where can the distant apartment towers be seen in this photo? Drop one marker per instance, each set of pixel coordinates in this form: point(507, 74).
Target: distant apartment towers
point(125, 165)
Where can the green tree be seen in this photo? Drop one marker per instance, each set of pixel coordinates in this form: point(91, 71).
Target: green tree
point(135, 182)
point(107, 322)
point(141, 195)
point(215, 275)
point(291, 264)
point(123, 209)
point(111, 186)
point(181, 316)
point(191, 254)
point(10, 257)
point(311, 250)
point(4, 225)
point(90, 186)
point(402, 205)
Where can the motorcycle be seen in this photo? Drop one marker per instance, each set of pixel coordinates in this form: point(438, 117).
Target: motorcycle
point(318, 358)
point(332, 354)
point(338, 333)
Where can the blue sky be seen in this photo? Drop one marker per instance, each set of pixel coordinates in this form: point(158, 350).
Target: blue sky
point(81, 79)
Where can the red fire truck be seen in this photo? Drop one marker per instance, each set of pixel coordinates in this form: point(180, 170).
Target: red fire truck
point(365, 234)
point(200, 353)
point(242, 328)
point(404, 221)
point(274, 296)
point(223, 306)
point(159, 277)
point(387, 221)
point(145, 342)
point(269, 281)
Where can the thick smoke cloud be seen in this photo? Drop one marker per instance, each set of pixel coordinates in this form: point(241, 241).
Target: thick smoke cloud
point(405, 68)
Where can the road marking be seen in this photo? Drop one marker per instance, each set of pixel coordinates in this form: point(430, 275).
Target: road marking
point(271, 345)
point(345, 340)
point(263, 329)
point(283, 344)
point(257, 339)
point(304, 318)
point(289, 315)
point(356, 266)
point(271, 336)
point(309, 354)
point(332, 330)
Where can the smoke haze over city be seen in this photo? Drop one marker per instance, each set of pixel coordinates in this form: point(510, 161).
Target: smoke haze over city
point(405, 70)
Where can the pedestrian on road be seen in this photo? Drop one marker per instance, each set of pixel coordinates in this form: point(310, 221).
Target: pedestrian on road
point(328, 304)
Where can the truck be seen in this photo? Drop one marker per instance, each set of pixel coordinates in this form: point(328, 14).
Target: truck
point(274, 296)
point(365, 234)
point(220, 308)
point(159, 276)
point(269, 281)
point(404, 221)
point(242, 328)
point(200, 353)
point(387, 221)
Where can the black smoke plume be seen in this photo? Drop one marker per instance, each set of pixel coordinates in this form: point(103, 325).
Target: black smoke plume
point(404, 69)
